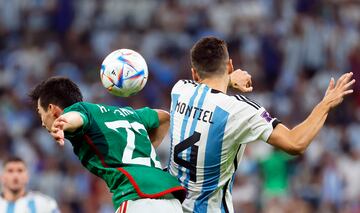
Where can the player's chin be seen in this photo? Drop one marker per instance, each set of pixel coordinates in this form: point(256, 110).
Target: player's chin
point(15, 189)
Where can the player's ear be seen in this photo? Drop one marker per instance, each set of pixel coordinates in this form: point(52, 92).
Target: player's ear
point(195, 75)
point(50, 107)
point(229, 66)
point(55, 110)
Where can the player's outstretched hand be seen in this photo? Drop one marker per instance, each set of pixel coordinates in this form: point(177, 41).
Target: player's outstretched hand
point(241, 80)
point(336, 92)
point(57, 130)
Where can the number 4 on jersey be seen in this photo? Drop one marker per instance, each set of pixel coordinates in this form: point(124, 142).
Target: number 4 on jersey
point(185, 144)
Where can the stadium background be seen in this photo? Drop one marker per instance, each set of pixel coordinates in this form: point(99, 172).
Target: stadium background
point(290, 47)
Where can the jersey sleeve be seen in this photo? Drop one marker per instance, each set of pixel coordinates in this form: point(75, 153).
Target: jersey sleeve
point(181, 85)
point(148, 117)
point(85, 115)
point(252, 122)
point(261, 125)
point(176, 87)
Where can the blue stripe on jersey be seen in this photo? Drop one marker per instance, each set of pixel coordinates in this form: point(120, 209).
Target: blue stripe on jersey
point(201, 202)
point(31, 206)
point(192, 129)
point(174, 100)
point(184, 124)
point(212, 161)
point(10, 208)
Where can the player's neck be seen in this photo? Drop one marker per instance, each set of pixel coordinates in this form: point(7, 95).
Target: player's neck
point(13, 196)
point(216, 83)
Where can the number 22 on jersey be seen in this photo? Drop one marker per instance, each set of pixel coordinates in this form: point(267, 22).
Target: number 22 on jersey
point(130, 129)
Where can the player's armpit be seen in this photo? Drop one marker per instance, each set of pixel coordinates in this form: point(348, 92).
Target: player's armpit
point(157, 135)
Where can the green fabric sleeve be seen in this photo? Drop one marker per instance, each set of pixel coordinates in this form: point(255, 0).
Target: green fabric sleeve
point(149, 117)
point(81, 109)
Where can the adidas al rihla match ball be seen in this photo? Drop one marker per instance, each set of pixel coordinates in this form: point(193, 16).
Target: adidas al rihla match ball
point(124, 72)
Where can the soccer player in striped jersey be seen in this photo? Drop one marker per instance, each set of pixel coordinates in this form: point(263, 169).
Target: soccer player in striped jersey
point(209, 129)
point(15, 198)
point(113, 143)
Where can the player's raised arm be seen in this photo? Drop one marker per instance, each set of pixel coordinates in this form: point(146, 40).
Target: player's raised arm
point(296, 140)
point(157, 135)
point(69, 122)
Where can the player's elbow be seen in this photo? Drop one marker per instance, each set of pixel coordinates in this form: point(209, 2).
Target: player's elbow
point(295, 148)
point(286, 143)
point(164, 116)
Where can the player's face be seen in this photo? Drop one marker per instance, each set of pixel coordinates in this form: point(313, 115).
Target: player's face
point(47, 117)
point(15, 176)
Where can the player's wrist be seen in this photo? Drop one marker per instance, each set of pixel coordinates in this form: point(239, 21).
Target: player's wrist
point(324, 106)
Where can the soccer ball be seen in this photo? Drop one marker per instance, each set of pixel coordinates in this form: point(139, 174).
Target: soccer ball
point(124, 72)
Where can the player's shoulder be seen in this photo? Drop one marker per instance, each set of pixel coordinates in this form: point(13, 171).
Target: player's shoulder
point(183, 84)
point(246, 101)
point(36, 195)
point(41, 200)
point(88, 106)
point(235, 104)
point(76, 106)
point(3, 204)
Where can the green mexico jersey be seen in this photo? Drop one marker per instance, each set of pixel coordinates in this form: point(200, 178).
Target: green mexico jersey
point(113, 144)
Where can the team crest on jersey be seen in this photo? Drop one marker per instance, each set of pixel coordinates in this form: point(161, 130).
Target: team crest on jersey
point(266, 116)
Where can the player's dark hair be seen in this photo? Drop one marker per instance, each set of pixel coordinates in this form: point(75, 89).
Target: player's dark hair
point(60, 91)
point(12, 159)
point(209, 56)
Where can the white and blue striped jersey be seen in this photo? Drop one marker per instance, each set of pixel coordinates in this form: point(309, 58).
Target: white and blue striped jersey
point(32, 202)
point(209, 131)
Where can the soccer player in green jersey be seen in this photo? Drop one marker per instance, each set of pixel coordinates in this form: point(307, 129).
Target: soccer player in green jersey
point(114, 143)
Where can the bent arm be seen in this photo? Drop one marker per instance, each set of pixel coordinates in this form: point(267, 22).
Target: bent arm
point(296, 140)
point(72, 121)
point(157, 135)
point(69, 122)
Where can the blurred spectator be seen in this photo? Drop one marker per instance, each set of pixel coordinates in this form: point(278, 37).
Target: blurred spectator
point(15, 197)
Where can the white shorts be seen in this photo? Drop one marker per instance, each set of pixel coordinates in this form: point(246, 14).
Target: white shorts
point(150, 205)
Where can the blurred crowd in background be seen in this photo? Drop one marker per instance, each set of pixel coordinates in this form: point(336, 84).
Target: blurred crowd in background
point(290, 47)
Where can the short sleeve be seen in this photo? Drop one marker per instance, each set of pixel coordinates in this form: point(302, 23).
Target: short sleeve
point(149, 117)
point(81, 109)
point(250, 122)
point(262, 124)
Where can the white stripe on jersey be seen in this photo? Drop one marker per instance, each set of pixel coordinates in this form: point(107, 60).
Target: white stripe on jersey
point(32, 202)
point(209, 131)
